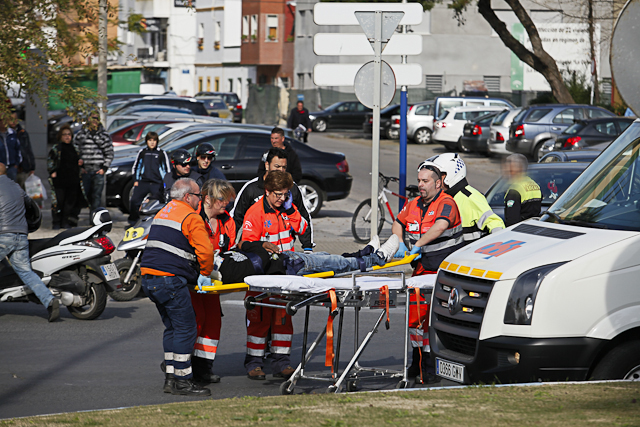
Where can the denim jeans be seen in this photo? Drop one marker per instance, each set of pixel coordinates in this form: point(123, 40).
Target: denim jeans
point(323, 261)
point(93, 184)
point(16, 247)
point(173, 301)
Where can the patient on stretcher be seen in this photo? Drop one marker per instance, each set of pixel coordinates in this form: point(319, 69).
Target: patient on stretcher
point(253, 259)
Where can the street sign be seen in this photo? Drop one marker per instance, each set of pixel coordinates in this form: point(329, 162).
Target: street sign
point(345, 74)
point(332, 13)
point(365, 80)
point(390, 21)
point(358, 44)
point(624, 55)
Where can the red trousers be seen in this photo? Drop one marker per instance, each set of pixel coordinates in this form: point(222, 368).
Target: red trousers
point(209, 320)
point(419, 318)
point(262, 319)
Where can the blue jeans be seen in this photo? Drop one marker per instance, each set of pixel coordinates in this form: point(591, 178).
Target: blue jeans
point(16, 247)
point(173, 301)
point(323, 261)
point(93, 184)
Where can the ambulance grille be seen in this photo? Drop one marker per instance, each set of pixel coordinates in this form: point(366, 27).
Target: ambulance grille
point(457, 330)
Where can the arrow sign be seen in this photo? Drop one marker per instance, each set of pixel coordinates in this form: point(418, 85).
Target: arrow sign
point(358, 45)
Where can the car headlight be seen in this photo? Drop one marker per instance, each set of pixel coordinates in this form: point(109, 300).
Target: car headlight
point(523, 294)
point(312, 117)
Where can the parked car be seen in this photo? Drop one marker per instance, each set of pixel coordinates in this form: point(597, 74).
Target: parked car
point(238, 153)
point(420, 122)
point(386, 121)
point(585, 133)
point(231, 99)
point(475, 134)
point(499, 131)
point(587, 155)
point(131, 133)
point(114, 122)
point(216, 107)
point(553, 179)
point(196, 107)
point(341, 115)
point(444, 103)
point(537, 124)
point(448, 130)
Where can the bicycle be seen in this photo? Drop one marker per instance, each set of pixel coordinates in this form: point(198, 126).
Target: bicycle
point(361, 221)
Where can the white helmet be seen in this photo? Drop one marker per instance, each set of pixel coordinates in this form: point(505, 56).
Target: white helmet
point(450, 164)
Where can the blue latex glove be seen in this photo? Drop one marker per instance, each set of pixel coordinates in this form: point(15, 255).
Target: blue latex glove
point(288, 202)
point(203, 281)
point(415, 250)
point(401, 250)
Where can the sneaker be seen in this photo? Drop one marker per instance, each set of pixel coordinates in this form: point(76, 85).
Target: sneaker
point(389, 248)
point(285, 373)
point(54, 310)
point(256, 374)
point(188, 388)
point(374, 243)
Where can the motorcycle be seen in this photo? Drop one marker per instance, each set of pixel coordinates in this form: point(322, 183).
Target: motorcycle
point(133, 243)
point(75, 265)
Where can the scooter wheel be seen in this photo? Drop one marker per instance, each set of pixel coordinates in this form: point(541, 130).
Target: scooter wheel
point(96, 300)
point(130, 290)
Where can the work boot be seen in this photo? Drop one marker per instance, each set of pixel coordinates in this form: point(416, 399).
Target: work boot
point(414, 368)
point(188, 388)
point(54, 310)
point(389, 248)
point(285, 373)
point(168, 383)
point(256, 374)
point(206, 377)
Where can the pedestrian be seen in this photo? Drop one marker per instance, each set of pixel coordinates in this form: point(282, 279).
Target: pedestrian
point(96, 150)
point(178, 255)
point(63, 165)
point(432, 222)
point(273, 220)
point(180, 168)
point(216, 194)
point(28, 165)
point(149, 169)
point(204, 169)
point(293, 162)
point(300, 116)
point(254, 189)
point(10, 154)
point(14, 244)
point(523, 199)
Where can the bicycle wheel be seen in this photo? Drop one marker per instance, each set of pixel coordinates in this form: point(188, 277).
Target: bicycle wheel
point(361, 222)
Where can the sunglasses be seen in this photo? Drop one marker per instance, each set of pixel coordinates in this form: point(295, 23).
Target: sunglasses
point(196, 194)
point(206, 157)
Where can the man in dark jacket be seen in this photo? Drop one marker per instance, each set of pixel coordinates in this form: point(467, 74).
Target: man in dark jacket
point(10, 154)
point(28, 165)
point(293, 162)
point(204, 170)
point(96, 151)
point(252, 190)
point(180, 168)
point(300, 116)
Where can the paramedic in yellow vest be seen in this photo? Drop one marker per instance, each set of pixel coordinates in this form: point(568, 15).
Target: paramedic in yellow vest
point(523, 199)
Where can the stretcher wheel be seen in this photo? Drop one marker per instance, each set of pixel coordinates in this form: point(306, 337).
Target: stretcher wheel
point(284, 388)
point(332, 389)
point(291, 308)
point(402, 384)
point(353, 385)
point(249, 303)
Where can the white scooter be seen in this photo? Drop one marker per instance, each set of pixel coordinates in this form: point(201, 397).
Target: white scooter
point(75, 265)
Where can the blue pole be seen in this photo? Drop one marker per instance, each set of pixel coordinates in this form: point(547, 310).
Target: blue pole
point(402, 174)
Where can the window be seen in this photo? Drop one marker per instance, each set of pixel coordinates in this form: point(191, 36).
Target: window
point(132, 134)
point(201, 37)
point(492, 83)
point(254, 28)
point(434, 83)
point(254, 146)
point(624, 125)
point(300, 31)
point(225, 146)
point(300, 80)
point(284, 82)
point(239, 88)
point(500, 118)
point(245, 28)
point(208, 84)
point(217, 84)
point(344, 108)
point(360, 108)
point(475, 103)
point(230, 85)
point(272, 27)
point(567, 116)
point(499, 104)
point(151, 128)
point(424, 110)
point(216, 40)
point(536, 114)
point(596, 113)
point(607, 128)
point(199, 84)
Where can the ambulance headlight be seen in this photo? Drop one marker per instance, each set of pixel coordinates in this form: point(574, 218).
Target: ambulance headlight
point(523, 295)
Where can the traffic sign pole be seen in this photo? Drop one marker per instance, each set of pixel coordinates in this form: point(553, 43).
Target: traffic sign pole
point(402, 164)
point(375, 148)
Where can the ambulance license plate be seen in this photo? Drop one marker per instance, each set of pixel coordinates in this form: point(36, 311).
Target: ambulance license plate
point(110, 272)
point(451, 371)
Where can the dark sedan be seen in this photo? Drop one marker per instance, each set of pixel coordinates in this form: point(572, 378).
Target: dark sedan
point(553, 179)
point(475, 135)
point(325, 176)
point(585, 133)
point(386, 130)
point(341, 115)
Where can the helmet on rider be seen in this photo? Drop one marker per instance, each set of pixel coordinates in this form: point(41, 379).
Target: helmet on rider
point(451, 165)
point(206, 149)
point(180, 157)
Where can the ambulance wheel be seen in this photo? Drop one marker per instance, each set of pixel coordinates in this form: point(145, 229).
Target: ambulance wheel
point(249, 303)
point(402, 384)
point(284, 388)
point(361, 222)
point(621, 363)
point(353, 385)
point(291, 309)
point(132, 289)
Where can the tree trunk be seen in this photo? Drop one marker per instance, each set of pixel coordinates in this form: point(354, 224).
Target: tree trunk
point(539, 59)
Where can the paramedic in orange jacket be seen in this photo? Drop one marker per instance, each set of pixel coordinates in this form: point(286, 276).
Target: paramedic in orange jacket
point(433, 224)
point(216, 195)
point(274, 220)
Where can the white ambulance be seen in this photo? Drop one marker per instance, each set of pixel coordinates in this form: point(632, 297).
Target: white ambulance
point(551, 299)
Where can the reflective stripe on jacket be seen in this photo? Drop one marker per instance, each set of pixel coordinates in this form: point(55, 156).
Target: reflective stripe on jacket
point(263, 223)
point(476, 215)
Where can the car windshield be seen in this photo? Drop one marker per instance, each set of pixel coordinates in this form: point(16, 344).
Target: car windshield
point(497, 121)
point(574, 128)
point(215, 104)
point(607, 194)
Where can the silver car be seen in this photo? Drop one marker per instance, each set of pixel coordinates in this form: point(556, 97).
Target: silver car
point(500, 131)
point(420, 122)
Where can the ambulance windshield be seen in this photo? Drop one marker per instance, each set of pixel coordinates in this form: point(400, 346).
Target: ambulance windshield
point(607, 194)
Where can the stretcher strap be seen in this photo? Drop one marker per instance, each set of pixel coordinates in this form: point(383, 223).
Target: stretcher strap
point(385, 291)
point(417, 291)
point(330, 354)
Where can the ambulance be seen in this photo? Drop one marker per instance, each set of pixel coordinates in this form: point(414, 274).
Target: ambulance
point(550, 299)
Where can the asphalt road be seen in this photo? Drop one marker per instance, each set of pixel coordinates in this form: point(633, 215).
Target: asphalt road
point(113, 361)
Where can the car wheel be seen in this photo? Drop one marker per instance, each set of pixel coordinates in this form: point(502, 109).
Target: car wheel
point(538, 152)
point(392, 133)
point(125, 197)
point(319, 125)
point(422, 136)
point(461, 147)
point(312, 196)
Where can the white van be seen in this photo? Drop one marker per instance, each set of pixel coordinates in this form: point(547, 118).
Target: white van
point(555, 298)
